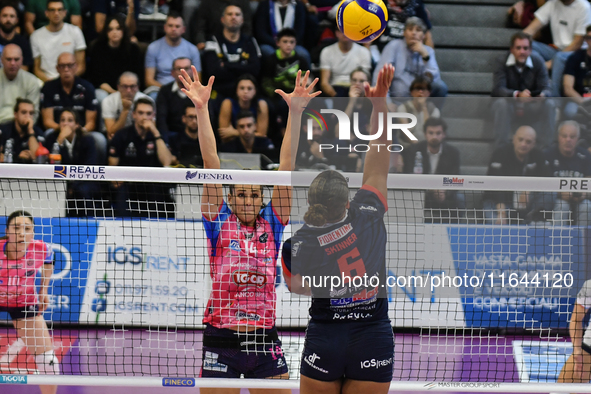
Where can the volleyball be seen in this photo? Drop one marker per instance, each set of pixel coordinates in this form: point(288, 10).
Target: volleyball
point(362, 20)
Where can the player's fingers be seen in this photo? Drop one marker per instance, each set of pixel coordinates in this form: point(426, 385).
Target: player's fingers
point(305, 80)
point(314, 82)
point(183, 80)
point(298, 78)
point(281, 93)
point(315, 94)
point(195, 73)
point(210, 82)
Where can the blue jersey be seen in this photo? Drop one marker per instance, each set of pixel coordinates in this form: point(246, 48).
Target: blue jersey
point(353, 247)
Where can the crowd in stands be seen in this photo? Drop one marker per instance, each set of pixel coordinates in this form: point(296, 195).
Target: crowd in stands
point(77, 78)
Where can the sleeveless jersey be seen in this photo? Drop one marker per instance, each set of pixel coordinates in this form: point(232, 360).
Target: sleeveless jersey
point(17, 277)
point(355, 246)
point(243, 269)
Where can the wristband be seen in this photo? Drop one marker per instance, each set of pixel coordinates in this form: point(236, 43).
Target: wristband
point(158, 138)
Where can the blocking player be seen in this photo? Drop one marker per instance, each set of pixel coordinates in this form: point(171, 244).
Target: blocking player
point(349, 345)
point(577, 368)
point(244, 236)
point(21, 257)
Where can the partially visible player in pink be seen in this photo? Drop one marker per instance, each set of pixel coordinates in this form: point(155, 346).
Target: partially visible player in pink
point(244, 236)
point(21, 257)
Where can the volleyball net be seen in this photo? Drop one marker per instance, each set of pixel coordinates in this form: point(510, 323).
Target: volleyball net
point(479, 299)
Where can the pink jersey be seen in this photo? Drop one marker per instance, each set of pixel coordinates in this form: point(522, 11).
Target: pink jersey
point(243, 269)
point(17, 277)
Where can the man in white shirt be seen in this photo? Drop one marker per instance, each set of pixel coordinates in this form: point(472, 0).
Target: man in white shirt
point(57, 37)
point(568, 20)
point(338, 61)
point(116, 108)
point(16, 82)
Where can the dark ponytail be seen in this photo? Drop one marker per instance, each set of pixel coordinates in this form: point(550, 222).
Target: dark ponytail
point(328, 197)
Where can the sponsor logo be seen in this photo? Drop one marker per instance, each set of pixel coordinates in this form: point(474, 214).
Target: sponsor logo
point(335, 235)
point(263, 238)
point(207, 176)
point(178, 382)
point(311, 359)
point(295, 248)
point(135, 256)
point(241, 315)
point(210, 362)
point(99, 305)
point(13, 379)
point(453, 181)
point(367, 208)
point(79, 172)
point(249, 278)
point(373, 363)
point(235, 245)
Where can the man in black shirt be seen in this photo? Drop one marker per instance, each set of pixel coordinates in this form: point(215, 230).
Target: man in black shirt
point(185, 144)
point(566, 160)
point(518, 158)
point(141, 145)
point(248, 142)
point(230, 54)
point(8, 34)
point(23, 135)
point(577, 78)
point(68, 91)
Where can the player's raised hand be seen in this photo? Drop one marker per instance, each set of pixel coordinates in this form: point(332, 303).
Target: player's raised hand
point(383, 83)
point(194, 89)
point(302, 91)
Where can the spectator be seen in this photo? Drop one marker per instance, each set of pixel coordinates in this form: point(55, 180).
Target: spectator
point(363, 107)
point(171, 101)
point(15, 82)
point(245, 100)
point(419, 106)
point(57, 34)
point(577, 78)
point(521, 73)
point(521, 13)
point(111, 55)
point(311, 155)
point(162, 52)
point(185, 144)
point(411, 59)
point(518, 158)
point(566, 160)
point(272, 16)
point(141, 145)
point(279, 71)
point(68, 91)
point(436, 156)
point(109, 8)
point(116, 108)
point(76, 146)
point(230, 54)
point(8, 35)
point(249, 142)
point(337, 61)
point(36, 14)
point(568, 20)
point(206, 19)
point(22, 133)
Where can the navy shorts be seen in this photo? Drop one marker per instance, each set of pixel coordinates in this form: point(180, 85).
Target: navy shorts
point(230, 354)
point(21, 312)
point(352, 350)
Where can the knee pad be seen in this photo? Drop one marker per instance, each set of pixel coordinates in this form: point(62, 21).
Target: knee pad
point(47, 363)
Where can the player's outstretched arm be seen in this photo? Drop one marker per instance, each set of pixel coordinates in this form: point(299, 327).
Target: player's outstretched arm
point(199, 94)
point(377, 159)
point(297, 101)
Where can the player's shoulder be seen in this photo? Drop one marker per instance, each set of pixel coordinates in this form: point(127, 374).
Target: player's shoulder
point(369, 200)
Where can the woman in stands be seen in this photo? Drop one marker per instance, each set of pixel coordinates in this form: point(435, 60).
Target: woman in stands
point(246, 99)
point(244, 236)
point(342, 238)
point(577, 368)
point(21, 257)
